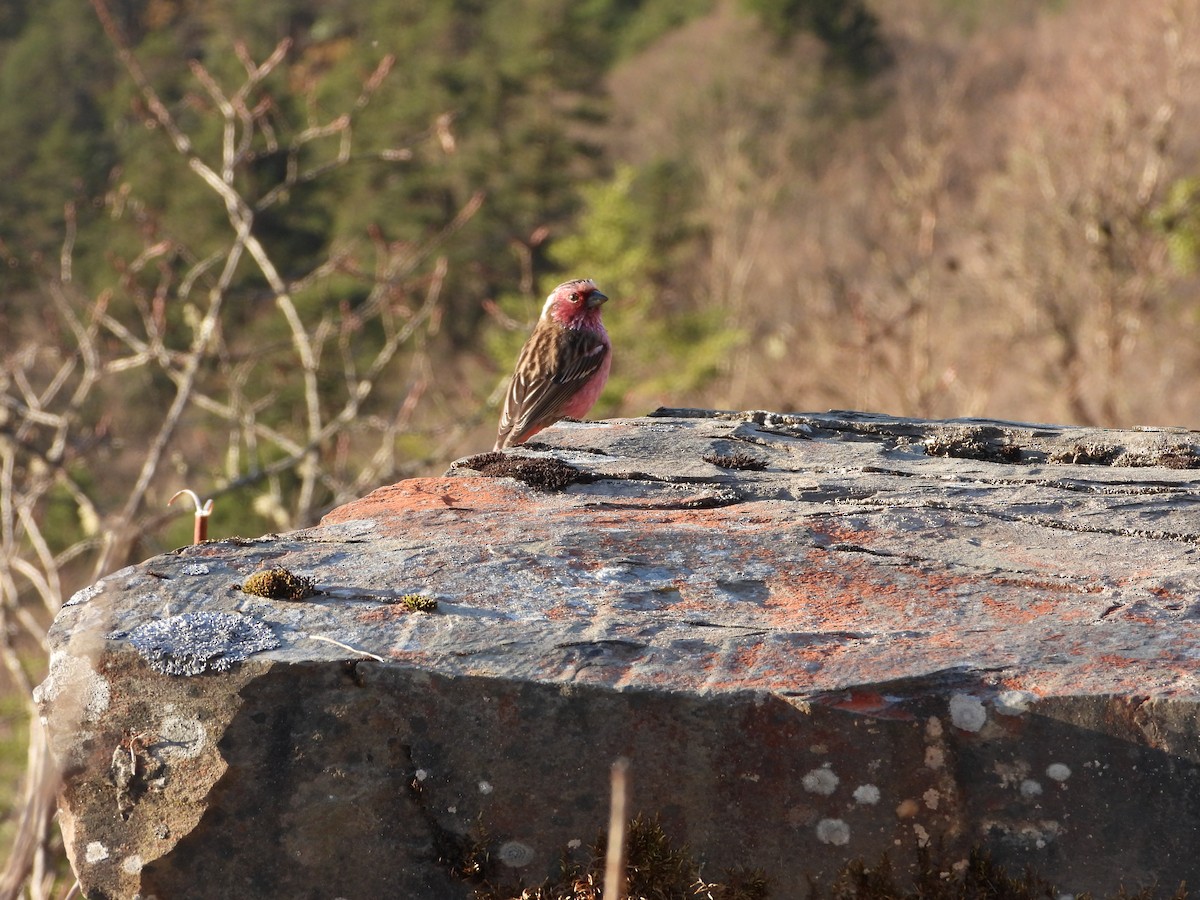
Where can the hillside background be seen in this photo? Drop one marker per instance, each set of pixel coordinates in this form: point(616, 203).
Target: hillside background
point(283, 252)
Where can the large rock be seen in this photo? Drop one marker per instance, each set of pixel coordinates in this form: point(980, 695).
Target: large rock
point(815, 637)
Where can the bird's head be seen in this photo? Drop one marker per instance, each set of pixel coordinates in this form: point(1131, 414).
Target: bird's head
point(575, 304)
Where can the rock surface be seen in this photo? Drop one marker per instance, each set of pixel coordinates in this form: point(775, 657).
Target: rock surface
point(816, 637)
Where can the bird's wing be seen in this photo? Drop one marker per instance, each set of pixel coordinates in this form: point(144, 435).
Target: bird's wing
point(538, 392)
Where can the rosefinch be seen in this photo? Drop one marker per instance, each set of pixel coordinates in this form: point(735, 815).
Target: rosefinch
point(562, 367)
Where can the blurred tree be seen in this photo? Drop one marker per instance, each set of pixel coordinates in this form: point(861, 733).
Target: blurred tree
point(637, 238)
point(1178, 219)
point(55, 147)
point(848, 28)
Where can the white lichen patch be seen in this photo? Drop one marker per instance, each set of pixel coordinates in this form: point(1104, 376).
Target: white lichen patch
point(821, 781)
point(205, 641)
point(867, 794)
point(922, 835)
point(932, 797)
point(1013, 703)
point(935, 757)
point(194, 569)
point(967, 712)
point(95, 852)
point(421, 774)
point(833, 831)
point(514, 854)
point(73, 677)
point(1058, 771)
point(181, 738)
point(131, 865)
point(485, 787)
point(1030, 788)
point(933, 728)
point(86, 594)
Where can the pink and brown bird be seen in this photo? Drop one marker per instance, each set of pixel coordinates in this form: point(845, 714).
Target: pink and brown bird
point(562, 367)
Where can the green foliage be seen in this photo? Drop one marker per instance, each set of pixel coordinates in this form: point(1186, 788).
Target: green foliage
point(636, 238)
point(54, 147)
point(633, 237)
point(62, 518)
point(848, 28)
point(14, 737)
point(620, 29)
point(1178, 220)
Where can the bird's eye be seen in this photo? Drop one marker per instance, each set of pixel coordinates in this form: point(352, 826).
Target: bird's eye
point(574, 296)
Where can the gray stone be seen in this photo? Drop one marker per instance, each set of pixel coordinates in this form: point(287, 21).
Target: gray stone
point(816, 637)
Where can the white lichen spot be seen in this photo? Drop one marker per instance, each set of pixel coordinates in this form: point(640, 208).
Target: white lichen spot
point(820, 781)
point(72, 677)
point(931, 798)
point(86, 594)
point(194, 569)
point(866, 793)
point(1058, 771)
point(1014, 703)
point(420, 774)
point(967, 712)
point(181, 738)
point(485, 787)
point(574, 844)
point(452, 809)
point(514, 854)
point(95, 852)
point(1030, 788)
point(131, 865)
point(935, 757)
point(933, 728)
point(833, 831)
point(922, 835)
point(750, 776)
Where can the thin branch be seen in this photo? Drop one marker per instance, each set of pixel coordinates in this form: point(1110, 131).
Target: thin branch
point(329, 640)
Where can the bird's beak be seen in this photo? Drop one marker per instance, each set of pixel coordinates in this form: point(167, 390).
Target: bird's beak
point(595, 299)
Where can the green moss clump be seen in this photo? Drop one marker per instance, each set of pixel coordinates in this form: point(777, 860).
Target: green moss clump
point(278, 583)
point(419, 603)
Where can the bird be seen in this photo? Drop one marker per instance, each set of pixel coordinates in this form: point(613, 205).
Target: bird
point(562, 367)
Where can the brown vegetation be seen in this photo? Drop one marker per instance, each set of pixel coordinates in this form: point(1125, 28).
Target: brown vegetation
point(983, 244)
